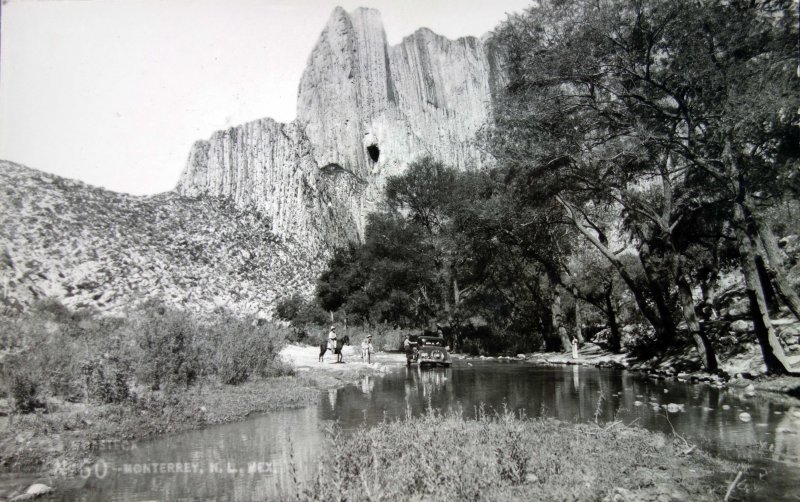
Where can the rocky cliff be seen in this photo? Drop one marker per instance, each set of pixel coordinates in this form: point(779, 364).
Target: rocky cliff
point(259, 206)
point(365, 110)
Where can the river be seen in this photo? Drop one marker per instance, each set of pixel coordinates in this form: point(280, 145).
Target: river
point(251, 459)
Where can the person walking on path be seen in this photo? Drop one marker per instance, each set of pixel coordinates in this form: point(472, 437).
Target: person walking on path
point(574, 348)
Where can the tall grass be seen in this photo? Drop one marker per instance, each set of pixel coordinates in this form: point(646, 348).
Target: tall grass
point(504, 456)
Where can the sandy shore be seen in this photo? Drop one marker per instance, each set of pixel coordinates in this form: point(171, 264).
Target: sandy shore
point(328, 373)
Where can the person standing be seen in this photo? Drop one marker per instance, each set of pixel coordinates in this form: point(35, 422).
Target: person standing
point(574, 348)
point(366, 348)
point(407, 347)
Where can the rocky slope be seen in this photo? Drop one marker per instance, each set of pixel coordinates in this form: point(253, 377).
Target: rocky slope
point(365, 110)
point(92, 247)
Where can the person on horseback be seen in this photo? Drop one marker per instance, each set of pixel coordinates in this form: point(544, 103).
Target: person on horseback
point(332, 338)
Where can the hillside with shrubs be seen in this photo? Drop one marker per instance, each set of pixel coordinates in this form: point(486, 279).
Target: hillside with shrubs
point(93, 248)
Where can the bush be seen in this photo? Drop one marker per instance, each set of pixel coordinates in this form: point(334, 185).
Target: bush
point(240, 349)
point(168, 354)
point(289, 307)
point(386, 338)
point(52, 352)
point(502, 456)
point(105, 379)
point(639, 341)
point(23, 391)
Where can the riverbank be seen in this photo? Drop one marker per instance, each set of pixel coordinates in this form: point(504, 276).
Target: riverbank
point(64, 437)
point(506, 457)
point(67, 436)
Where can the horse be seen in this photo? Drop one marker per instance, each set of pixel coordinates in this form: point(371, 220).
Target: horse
point(340, 342)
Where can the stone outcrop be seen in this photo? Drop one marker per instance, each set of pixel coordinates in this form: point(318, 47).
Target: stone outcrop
point(365, 110)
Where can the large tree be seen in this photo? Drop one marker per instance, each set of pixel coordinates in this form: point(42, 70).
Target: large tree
point(656, 109)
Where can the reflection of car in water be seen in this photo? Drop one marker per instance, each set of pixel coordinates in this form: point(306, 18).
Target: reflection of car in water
point(428, 350)
point(423, 384)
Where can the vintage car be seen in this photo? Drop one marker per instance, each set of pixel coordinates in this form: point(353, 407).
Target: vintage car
point(428, 350)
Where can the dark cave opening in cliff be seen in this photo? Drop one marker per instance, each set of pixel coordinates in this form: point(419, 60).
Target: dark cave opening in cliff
point(374, 152)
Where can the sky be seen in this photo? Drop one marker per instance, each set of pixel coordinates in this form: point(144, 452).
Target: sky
point(114, 92)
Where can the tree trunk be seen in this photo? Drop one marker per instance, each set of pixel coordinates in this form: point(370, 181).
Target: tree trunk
point(773, 263)
point(558, 321)
point(638, 295)
point(709, 288)
point(614, 341)
point(701, 341)
point(446, 288)
point(659, 298)
point(578, 320)
point(774, 357)
point(770, 295)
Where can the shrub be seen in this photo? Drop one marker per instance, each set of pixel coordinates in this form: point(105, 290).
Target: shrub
point(105, 379)
point(289, 307)
point(639, 341)
point(23, 390)
point(386, 338)
point(239, 349)
point(168, 355)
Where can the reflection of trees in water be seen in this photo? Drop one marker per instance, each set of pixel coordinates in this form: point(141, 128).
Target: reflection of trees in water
point(787, 437)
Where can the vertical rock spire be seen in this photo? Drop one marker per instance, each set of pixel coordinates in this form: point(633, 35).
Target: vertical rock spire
point(365, 110)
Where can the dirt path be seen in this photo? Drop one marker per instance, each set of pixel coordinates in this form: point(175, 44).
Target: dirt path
point(305, 360)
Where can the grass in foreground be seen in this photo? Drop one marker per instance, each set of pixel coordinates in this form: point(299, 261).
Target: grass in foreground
point(504, 457)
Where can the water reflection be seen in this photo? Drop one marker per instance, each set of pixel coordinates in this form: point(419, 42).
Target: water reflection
point(242, 461)
point(703, 414)
point(787, 437)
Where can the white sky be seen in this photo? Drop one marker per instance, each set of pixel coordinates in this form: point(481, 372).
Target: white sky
point(114, 92)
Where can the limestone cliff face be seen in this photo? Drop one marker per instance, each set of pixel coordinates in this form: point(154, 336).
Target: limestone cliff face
point(365, 110)
point(269, 166)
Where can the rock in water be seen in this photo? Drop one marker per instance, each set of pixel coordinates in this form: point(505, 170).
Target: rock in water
point(674, 407)
point(745, 417)
point(33, 491)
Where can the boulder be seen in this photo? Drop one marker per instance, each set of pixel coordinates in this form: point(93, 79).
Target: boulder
point(33, 491)
point(741, 326)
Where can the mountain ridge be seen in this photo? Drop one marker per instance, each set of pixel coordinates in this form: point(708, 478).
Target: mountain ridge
point(93, 248)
